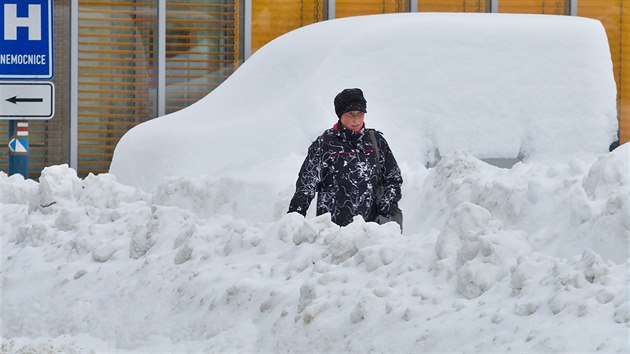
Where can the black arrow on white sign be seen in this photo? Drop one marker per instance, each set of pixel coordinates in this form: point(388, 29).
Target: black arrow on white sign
point(15, 100)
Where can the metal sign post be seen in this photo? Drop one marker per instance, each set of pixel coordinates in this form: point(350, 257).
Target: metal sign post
point(18, 148)
point(32, 100)
point(26, 52)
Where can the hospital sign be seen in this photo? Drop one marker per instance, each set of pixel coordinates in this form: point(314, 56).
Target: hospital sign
point(26, 39)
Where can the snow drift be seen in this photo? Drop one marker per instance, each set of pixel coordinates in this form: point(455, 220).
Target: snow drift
point(194, 252)
point(529, 259)
point(495, 85)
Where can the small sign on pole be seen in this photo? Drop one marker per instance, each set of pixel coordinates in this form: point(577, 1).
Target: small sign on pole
point(18, 148)
point(26, 52)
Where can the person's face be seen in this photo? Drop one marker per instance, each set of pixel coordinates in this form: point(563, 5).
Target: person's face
point(353, 120)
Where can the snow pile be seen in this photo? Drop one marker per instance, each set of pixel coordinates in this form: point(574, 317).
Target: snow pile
point(532, 259)
point(187, 246)
point(495, 85)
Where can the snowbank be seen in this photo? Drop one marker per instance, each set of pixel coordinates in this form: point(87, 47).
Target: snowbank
point(495, 85)
point(530, 259)
point(187, 246)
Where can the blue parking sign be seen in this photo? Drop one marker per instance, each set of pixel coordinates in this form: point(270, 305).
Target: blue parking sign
point(26, 39)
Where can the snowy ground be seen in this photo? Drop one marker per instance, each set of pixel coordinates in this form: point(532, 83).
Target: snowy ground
point(528, 259)
point(187, 247)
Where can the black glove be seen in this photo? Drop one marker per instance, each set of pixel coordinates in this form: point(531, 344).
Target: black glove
point(380, 219)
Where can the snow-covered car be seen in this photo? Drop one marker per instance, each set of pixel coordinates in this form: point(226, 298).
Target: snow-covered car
point(495, 85)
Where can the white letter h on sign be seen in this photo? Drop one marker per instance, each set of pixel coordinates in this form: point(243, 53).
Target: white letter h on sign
point(33, 22)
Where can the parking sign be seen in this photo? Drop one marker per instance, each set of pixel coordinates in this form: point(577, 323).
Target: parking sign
point(26, 39)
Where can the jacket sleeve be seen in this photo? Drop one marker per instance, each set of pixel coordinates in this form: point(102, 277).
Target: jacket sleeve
point(392, 179)
point(309, 180)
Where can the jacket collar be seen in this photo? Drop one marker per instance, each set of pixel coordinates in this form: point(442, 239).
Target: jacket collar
point(347, 134)
point(339, 127)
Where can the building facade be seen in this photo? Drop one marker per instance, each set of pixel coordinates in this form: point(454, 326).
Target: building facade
point(119, 63)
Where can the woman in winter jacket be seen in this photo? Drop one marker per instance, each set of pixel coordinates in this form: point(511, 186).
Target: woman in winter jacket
point(348, 165)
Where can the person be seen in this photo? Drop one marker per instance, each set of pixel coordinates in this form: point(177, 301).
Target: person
point(351, 168)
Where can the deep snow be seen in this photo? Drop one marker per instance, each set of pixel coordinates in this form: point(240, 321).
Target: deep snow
point(530, 259)
point(197, 254)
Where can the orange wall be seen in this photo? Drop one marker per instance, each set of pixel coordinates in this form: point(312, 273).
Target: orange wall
point(346, 8)
point(624, 100)
point(548, 7)
point(615, 16)
point(452, 5)
point(273, 18)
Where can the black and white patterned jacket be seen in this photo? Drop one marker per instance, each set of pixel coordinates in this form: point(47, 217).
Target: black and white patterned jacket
point(341, 168)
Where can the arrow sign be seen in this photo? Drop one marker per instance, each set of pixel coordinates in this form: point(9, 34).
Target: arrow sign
point(15, 99)
point(27, 99)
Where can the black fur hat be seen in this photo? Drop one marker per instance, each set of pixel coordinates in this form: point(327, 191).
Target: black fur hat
point(350, 99)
